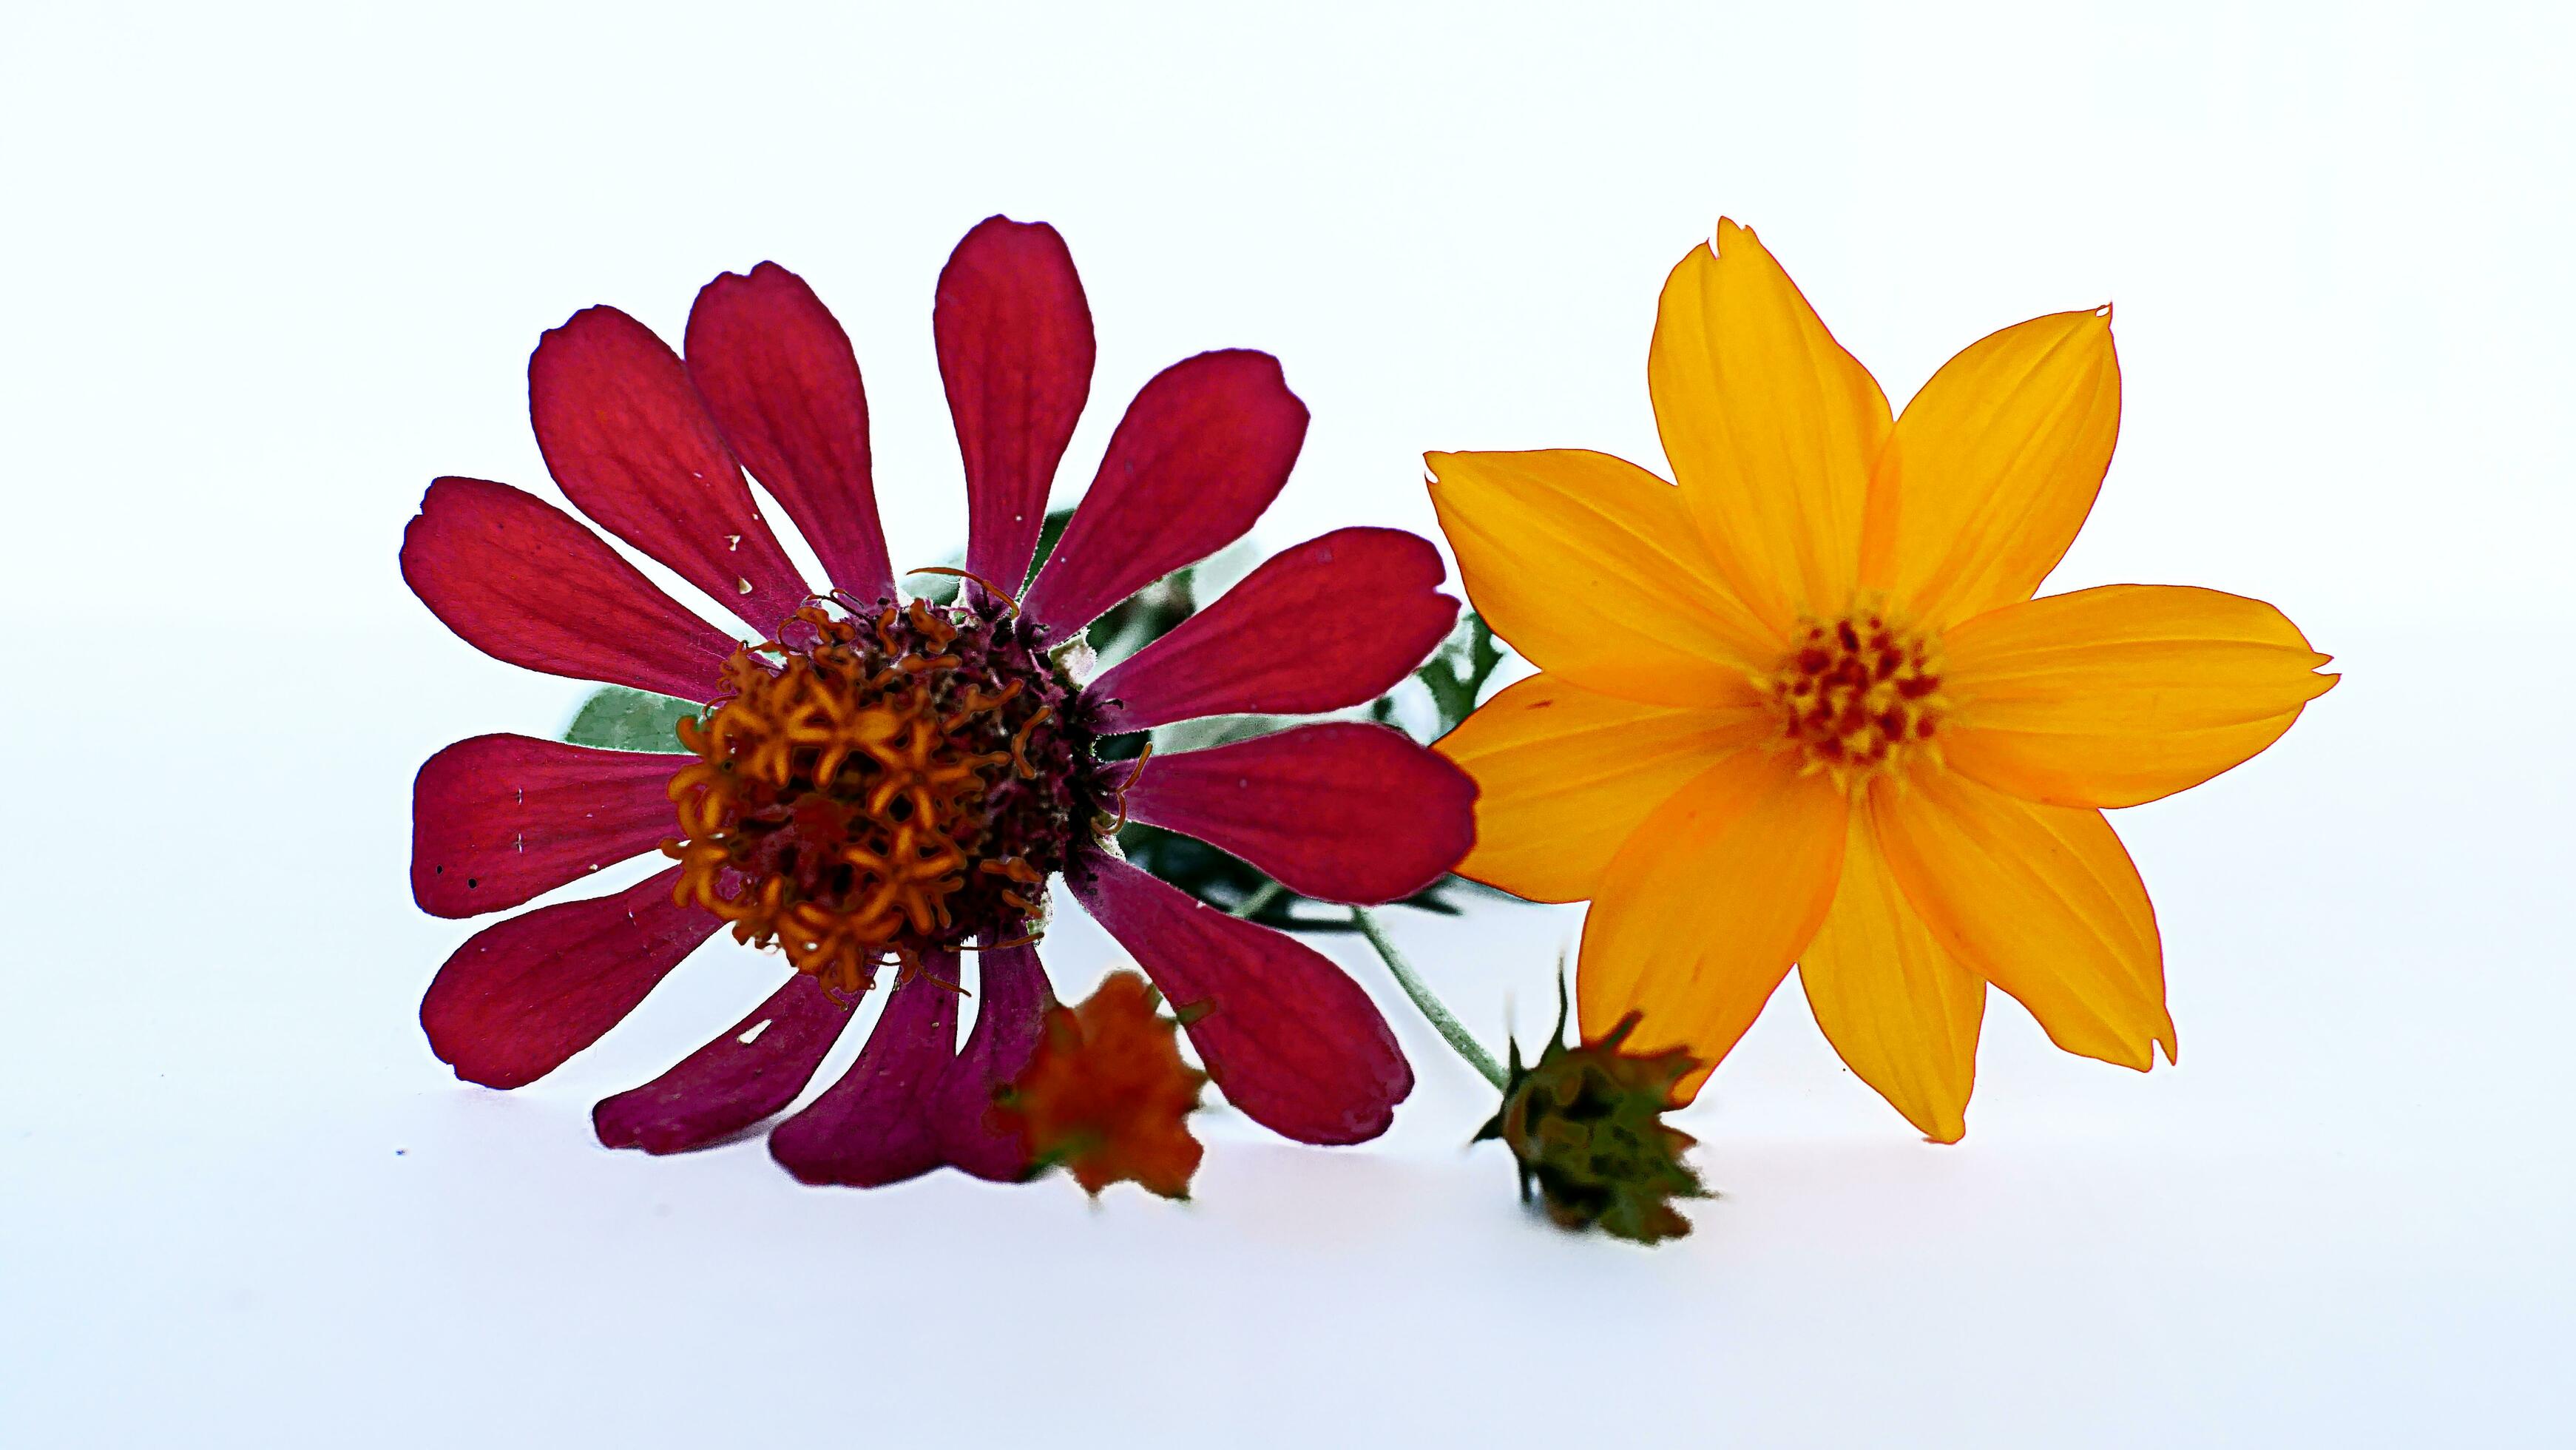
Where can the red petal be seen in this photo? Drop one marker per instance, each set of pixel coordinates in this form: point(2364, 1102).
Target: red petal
point(1009, 1015)
point(757, 1067)
point(498, 819)
point(529, 992)
point(1291, 1040)
point(1202, 451)
point(778, 374)
point(1341, 812)
point(874, 1126)
point(1015, 350)
point(524, 582)
point(630, 442)
point(1332, 622)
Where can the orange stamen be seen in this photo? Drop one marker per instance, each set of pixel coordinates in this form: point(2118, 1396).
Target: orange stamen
point(996, 590)
point(1128, 784)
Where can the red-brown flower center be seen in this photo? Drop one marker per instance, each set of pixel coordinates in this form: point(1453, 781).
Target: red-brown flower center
point(868, 789)
point(1859, 696)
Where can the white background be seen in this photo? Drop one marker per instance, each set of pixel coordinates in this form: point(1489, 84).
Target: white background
point(270, 270)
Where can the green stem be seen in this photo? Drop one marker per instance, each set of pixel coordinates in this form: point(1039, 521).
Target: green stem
point(1260, 900)
point(1451, 1030)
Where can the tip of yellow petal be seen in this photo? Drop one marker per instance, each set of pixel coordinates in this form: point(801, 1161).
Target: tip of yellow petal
point(2321, 681)
point(1938, 1123)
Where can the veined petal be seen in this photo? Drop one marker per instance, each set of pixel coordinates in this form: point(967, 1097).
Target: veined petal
point(1565, 776)
point(1287, 1036)
point(527, 584)
point(2123, 694)
point(523, 995)
point(627, 437)
point(1898, 1008)
point(2040, 900)
point(777, 372)
point(1771, 428)
point(1589, 565)
point(1703, 910)
point(875, 1126)
point(751, 1070)
point(1015, 353)
point(1204, 448)
point(1342, 811)
point(1336, 621)
point(1993, 468)
point(1010, 1015)
point(498, 819)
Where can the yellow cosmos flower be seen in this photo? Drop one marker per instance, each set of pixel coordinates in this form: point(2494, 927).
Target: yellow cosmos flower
point(1803, 709)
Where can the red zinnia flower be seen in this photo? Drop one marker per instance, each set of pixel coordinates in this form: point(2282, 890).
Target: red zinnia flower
point(878, 782)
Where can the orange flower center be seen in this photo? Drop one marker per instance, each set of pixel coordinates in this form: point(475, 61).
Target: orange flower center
point(1860, 696)
point(871, 789)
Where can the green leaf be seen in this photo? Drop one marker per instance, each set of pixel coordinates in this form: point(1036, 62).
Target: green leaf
point(1050, 533)
point(617, 718)
point(1456, 673)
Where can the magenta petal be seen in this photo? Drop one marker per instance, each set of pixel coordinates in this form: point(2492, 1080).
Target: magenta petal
point(628, 439)
point(1009, 1016)
point(1289, 1039)
point(1202, 451)
point(777, 372)
point(524, 994)
point(526, 583)
point(1015, 350)
point(498, 819)
point(1332, 622)
point(874, 1126)
point(757, 1067)
point(1340, 812)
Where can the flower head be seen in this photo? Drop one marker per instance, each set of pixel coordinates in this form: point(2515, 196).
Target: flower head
point(875, 781)
point(1107, 1095)
point(1586, 1124)
point(876, 788)
point(1801, 707)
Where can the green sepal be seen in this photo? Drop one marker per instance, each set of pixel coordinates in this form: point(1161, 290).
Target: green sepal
point(1586, 1128)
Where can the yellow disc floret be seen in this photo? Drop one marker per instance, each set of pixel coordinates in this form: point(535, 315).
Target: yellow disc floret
point(1859, 696)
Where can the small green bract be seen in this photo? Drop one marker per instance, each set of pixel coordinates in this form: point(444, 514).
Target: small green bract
point(1586, 1125)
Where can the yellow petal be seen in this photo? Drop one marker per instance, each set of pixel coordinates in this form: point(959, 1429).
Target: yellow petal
point(1564, 776)
point(1771, 428)
point(2039, 900)
point(1993, 468)
point(1588, 566)
point(1703, 910)
point(1903, 1013)
point(2112, 696)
